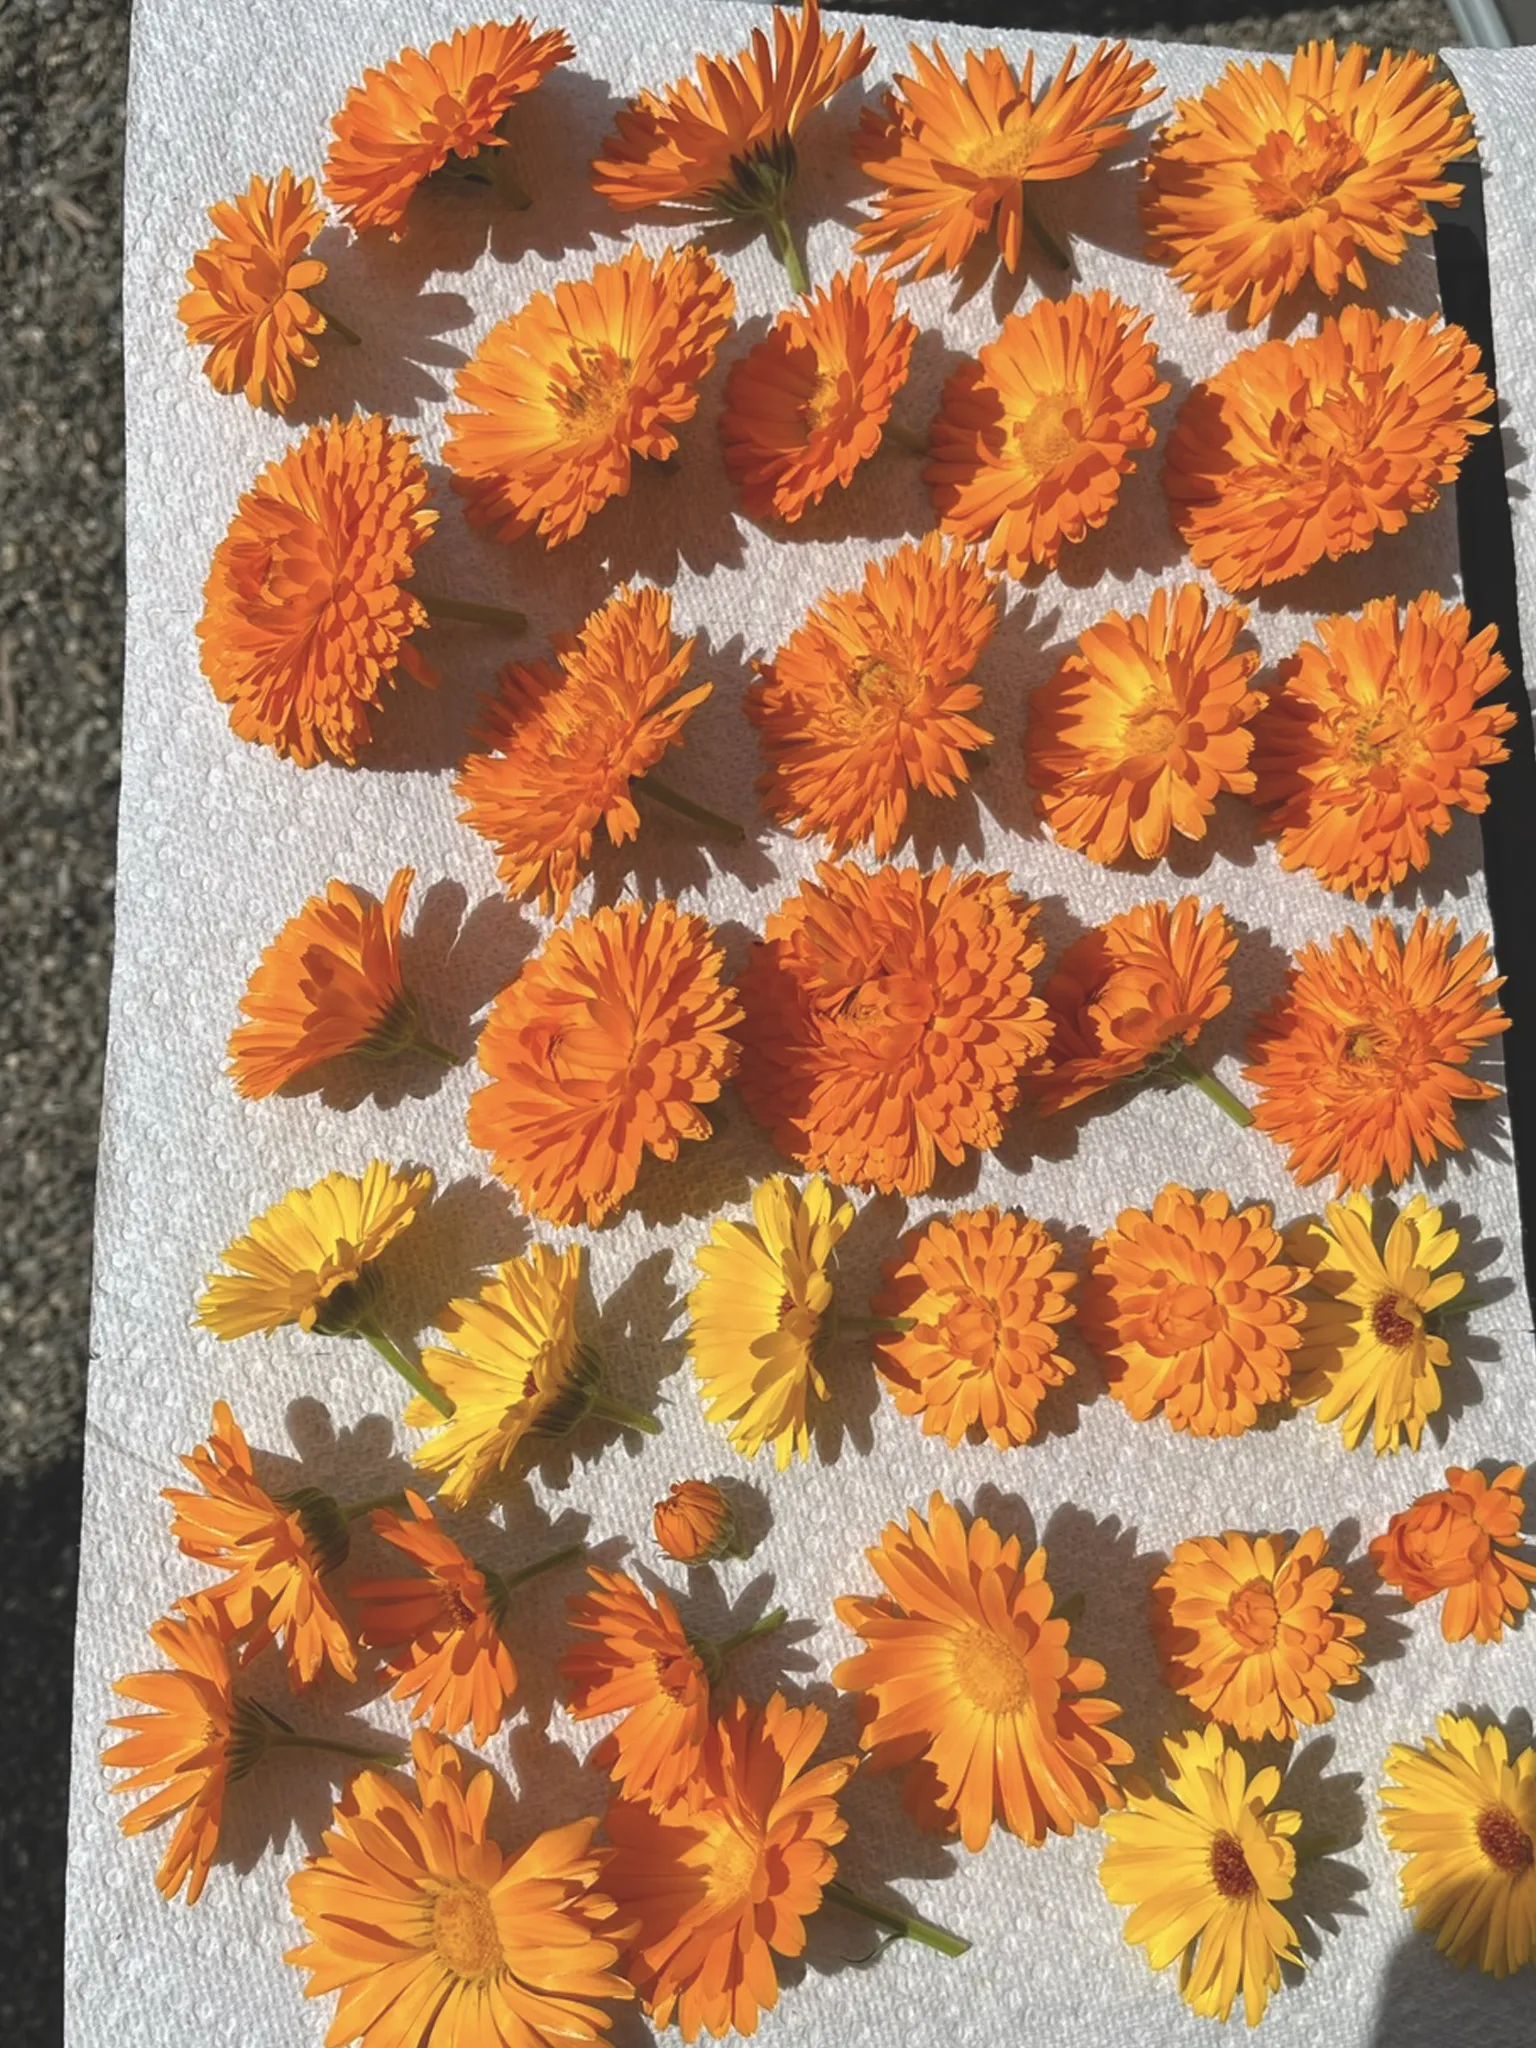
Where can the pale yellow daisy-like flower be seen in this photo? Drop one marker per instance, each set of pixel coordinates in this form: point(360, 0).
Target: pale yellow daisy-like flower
point(1464, 1815)
point(1368, 1355)
point(1204, 1871)
point(756, 1314)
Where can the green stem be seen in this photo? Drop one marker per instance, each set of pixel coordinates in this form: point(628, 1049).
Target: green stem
point(431, 1050)
point(606, 1409)
point(505, 183)
point(1184, 1067)
point(472, 614)
point(543, 1564)
point(784, 246)
point(413, 1375)
point(337, 327)
point(1044, 240)
point(359, 1508)
point(711, 821)
point(381, 1759)
point(898, 436)
point(763, 1626)
point(896, 1924)
point(899, 1323)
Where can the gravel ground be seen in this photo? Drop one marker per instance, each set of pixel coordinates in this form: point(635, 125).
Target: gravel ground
point(62, 70)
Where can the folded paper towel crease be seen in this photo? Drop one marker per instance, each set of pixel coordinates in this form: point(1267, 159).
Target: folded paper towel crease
point(221, 842)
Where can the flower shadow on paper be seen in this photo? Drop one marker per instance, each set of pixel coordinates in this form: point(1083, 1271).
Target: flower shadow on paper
point(1328, 1889)
point(1379, 1606)
point(401, 359)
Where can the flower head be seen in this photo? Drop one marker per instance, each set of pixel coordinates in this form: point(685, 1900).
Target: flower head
point(273, 1553)
point(1205, 1871)
point(1142, 727)
point(247, 303)
point(1141, 985)
point(1270, 177)
point(1461, 1541)
point(404, 122)
point(754, 1317)
point(188, 1745)
point(1301, 450)
point(982, 1296)
point(725, 146)
point(643, 1664)
point(887, 1018)
point(328, 984)
point(433, 1934)
point(867, 701)
point(307, 612)
point(1464, 1816)
point(694, 1524)
point(722, 1882)
point(1368, 1353)
point(967, 1671)
point(1032, 439)
point(441, 1633)
point(1250, 1630)
point(309, 1259)
point(953, 155)
point(807, 404)
point(606, 1047)
point(559, 746)
point(1375, 737)
point(1361, 1062)
point(1194, 1308)
point(562, 396)
point(513, 1367)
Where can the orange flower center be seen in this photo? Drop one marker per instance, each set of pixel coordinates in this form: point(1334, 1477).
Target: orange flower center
point(1049, 434)
point(970, 1325)
point(675, 1673)
point(1395, 1322)
point(1185, 1313)
point(824, 401)
point(464, 1930)
point(1153, 726)
point(736, 1876)
point(1294, 175)
point(1229, 1868)
point(1384, 739)
point(590, 396)
point(1252, 1616)
point(991, 1671)
point(1006, 155)
point(877, 686)
point(459, 120)
point(890, 1012)
point(1504, 1842)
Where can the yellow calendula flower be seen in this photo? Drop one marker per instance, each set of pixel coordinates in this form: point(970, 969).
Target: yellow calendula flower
point(1204, 1872)
point(1367, 1352)
point(755, 1316)
point(1465, 1818)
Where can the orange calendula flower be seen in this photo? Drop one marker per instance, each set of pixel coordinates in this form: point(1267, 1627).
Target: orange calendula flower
point(721, 1883)
point(809, 402)
point(564, 395)
point(954, 156)
point(606, 1047)
point(1251, 1632)
point(694, 1524)
point(435, 1936)
point(275, 1553)
point(442, 1634)
point(1375, 736)
point(1134, 992)
point(1033, 437)
point(642, 1663)
point(1194, 1308)
point(980, 1296)
point(307, 612)
point(1271, 177)
point(724, 147)
point(867, 701)
point(404, 122)
point(968, 1671)
point(887, 1017)
point(1462, 1541)
point(1143, 726)
point(559, 746)
point(328, 984)
point(247, 303)
point(1361, 1062)
point(1304, 450)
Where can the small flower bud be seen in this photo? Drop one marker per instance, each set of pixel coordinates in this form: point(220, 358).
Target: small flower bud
point(694, 1524)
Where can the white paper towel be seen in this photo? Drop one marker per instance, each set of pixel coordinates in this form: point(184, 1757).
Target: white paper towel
point(220, 843)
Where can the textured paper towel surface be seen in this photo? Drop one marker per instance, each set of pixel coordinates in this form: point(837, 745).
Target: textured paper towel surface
point(221, 842)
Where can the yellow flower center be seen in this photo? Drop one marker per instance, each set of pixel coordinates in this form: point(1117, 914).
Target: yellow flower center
point(1252, 1616)
point(991, 1671)
point(594, 393)
point(796, 1320)
point(1293, 174)
point(1007, 155)
point(1395, 1322)
point(1229, 1868)
point(1504, 1842)
point(735, 1864)
point(1049, 434)
point(823, 401)
point(464, 1930)
point(1151, 727)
